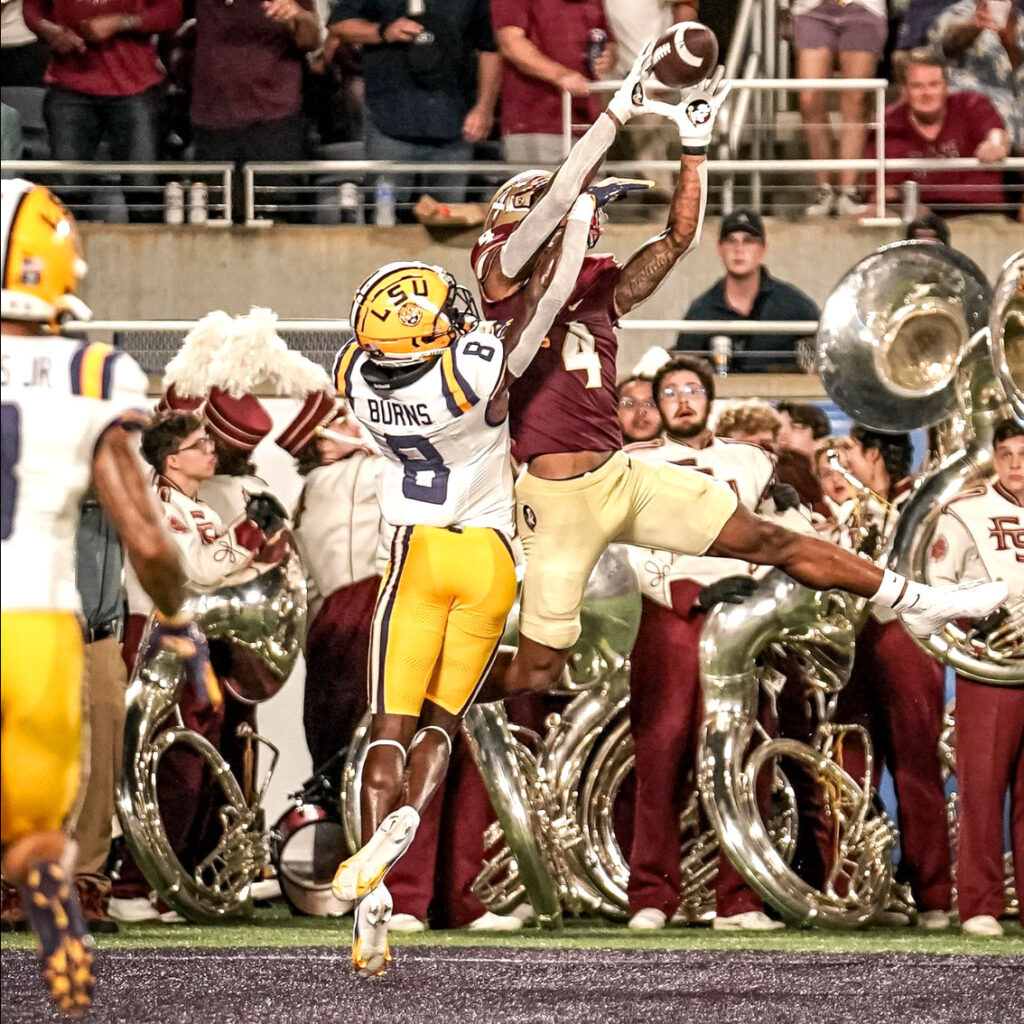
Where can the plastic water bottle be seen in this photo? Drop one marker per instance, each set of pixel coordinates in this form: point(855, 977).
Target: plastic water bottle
point(349, 204)
point(198, 196)
point(384, 202)
point(174, 203)
point(721, 351)
point(597, 40)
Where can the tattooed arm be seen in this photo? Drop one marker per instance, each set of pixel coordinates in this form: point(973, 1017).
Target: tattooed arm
point(649, 265)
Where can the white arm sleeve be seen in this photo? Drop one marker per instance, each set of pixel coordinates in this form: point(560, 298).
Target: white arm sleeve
point(536, 227)
point(574, 248)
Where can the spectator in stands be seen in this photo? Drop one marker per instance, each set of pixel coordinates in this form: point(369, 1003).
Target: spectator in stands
point(913, 30)
point(103, 74)
point(984, 44)
point(545, 45)
point(931, 122)
point(647, 137)
point(749, 292)
point(803, 426)
point(247, 81)
point(929, 227)
point(25, 56)
point(432, 76)
point(852, 35)
point(638, 411)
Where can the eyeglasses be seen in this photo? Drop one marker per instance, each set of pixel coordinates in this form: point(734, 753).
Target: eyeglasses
point(686, 391)
point(203, 443)
point(632, 403)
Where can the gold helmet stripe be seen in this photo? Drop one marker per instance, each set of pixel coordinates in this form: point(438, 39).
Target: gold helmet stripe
point(343, 367)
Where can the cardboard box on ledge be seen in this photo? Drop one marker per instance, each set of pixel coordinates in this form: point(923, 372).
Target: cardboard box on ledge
point(445, 220)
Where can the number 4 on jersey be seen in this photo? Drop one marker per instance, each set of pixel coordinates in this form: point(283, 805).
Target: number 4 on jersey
point(579, 352)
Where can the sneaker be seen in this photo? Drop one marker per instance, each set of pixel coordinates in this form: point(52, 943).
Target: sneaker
point(265, 889)
point(365, 869)
point(648, 919)
point(132, 909)
point(93, 901)
point(983, 924)
point(65, 945)
point(524, 912)
point(496, 923)
point(932, 607)
point(406, 923)
point(749, 921)
point(933, 920)
point(848, 204)
point(12, 917)
point(824, 202)
point(370, 951)
point(142, 908)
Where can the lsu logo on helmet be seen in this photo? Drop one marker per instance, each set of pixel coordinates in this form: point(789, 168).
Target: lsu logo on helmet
point(42, 255)
point(407, 312)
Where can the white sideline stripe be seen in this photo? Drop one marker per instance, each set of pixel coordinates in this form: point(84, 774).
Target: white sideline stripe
point(343, 953)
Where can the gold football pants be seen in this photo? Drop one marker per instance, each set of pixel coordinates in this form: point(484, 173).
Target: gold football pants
point(42, 714)
point(440, 613)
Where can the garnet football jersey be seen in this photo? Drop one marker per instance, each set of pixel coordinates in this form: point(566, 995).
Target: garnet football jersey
point(566, 401)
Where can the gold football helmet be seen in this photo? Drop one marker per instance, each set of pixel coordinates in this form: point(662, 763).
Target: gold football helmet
point(513, 200)
point(406, 312)
point(42, 255)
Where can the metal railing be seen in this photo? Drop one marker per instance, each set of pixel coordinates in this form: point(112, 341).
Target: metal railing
point(113, 183)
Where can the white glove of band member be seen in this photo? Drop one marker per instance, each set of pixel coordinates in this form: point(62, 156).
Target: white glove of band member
point(630, 98)
point(695, 113)
point(924, 609)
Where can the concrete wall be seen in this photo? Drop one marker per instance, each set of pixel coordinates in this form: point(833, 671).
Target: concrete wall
point(140, 272)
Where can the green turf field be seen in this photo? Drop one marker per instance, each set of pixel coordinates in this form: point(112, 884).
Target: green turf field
point(276, 927)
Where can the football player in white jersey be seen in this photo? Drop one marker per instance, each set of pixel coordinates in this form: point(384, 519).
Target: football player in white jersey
point(980, 535)
point(65, 408)
point(430, 383)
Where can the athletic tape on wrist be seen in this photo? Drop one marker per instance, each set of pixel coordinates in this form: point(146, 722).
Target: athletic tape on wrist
point(891, 590)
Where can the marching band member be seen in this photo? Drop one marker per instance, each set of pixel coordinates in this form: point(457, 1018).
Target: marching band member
point(896, 691)
point(980, 535)
point(430, 383)
point(665, 695)
point(67, 409)
point(179, 449)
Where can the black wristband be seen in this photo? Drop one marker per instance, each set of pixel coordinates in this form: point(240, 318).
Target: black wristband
point(695, 150)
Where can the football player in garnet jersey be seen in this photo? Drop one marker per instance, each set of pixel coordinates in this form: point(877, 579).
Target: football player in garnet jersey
point(430, 383)
point(580, 492)
point(66, 406)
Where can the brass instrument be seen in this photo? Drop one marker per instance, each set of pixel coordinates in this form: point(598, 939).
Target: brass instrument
point(259, 620)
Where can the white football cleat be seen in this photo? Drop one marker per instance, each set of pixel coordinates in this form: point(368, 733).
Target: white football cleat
point(984, 925)
point(925, 610)
point(371, 953)
point(366, 868)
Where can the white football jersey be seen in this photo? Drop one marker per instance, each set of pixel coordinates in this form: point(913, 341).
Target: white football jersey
point(980, 535)
point(446, 464)
point(748, 469)
point(58, 397)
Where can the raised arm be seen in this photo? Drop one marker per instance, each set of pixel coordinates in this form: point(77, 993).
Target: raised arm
point(131, 504)
point(574, 174)
point(695, 116)
point(550, 287)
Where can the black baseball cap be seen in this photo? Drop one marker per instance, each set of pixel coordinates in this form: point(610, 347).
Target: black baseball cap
point(742, 219)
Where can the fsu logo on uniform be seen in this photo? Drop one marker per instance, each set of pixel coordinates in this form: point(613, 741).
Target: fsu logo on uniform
point(939, 548)
point(530, 517)
point(409, 314)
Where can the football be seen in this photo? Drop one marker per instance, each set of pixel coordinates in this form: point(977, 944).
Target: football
point(684, 55)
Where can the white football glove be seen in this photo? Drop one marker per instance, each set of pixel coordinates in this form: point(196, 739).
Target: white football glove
point(925, 609)
point(695, 113)
point(630, 98)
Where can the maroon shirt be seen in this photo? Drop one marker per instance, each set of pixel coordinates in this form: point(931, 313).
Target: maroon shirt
point(247, 68)
point(551, 407)
point(559, 29)
point(970, 116)
point(125, 64)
